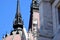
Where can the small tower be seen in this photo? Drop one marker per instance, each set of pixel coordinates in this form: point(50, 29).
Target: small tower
point(34, 23)
point(34, 10)
point(17, 32)
point(18, 23)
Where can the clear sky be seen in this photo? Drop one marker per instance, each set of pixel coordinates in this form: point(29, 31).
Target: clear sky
point(7, 14)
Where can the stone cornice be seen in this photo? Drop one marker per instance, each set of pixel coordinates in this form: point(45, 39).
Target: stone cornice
point(50, 1)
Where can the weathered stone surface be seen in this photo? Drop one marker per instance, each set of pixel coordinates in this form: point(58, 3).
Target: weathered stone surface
point(46, 18)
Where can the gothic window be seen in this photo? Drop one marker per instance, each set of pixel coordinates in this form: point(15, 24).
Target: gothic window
point(34, 22)
point(59, 14)
point(34, 25)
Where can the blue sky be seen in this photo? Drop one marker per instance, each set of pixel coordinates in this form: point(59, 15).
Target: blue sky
point(7, 14)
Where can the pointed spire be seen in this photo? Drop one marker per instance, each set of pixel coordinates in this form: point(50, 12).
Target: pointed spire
point(18, 7)
point(18, 19)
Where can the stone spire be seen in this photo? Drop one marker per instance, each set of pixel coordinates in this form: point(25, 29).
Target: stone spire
point(18, 19)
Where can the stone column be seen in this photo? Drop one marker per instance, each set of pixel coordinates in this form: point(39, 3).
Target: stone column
point(46, 21)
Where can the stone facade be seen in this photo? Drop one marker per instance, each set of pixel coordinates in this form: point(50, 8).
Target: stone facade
point(34, 25)
point(45, 9)
point(49, 19)
point(56, 19)
point(44, 22)
point(49, 11)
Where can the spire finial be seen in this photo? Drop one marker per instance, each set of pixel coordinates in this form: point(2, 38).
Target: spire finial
point(18, 6)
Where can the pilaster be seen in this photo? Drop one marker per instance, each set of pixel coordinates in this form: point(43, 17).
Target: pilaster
point(45, 9)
